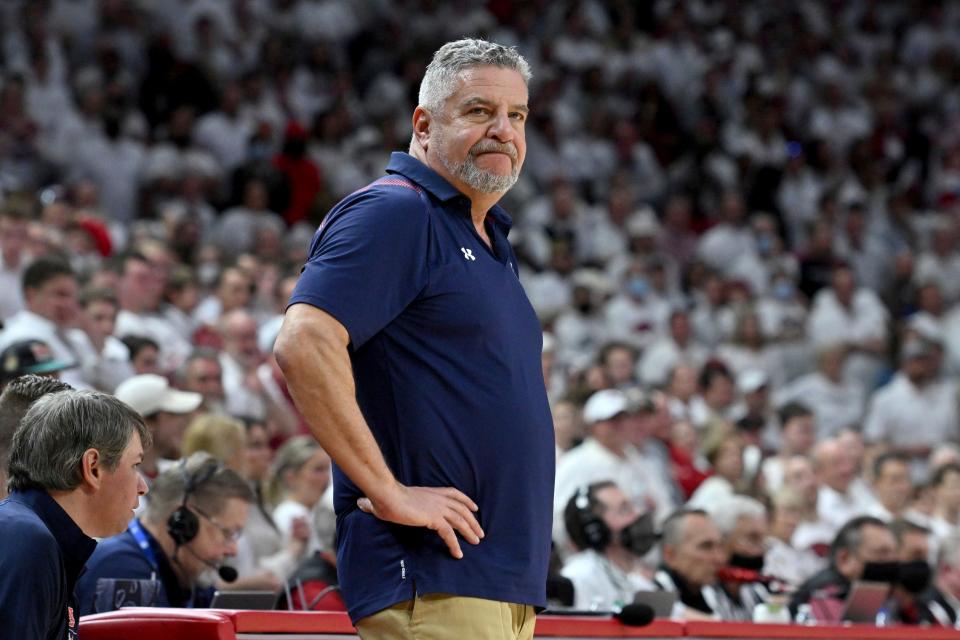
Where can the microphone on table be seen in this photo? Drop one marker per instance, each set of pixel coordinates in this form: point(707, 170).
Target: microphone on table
point(635, 614)
point(560, 589)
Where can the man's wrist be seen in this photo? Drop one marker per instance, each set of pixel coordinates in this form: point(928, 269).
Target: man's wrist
point(385, 492)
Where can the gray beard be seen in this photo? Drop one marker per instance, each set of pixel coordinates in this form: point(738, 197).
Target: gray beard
point(206, 579)
point(478, 179)
point(475, 177)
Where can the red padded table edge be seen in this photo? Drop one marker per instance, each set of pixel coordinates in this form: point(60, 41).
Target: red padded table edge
point(161, 613)
point(338, 622)
point(149, 623)
point(593, 627)
point(787, 631)
point(220, 624)
point(290, 621)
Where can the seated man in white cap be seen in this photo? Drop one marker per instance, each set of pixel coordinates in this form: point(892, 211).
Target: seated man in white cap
point(166, 411)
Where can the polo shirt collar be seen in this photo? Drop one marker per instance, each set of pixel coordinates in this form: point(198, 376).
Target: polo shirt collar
point(415, 170)
point(688, 594)
point(75, 545)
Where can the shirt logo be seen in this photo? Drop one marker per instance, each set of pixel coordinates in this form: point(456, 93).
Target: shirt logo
point(467, 254)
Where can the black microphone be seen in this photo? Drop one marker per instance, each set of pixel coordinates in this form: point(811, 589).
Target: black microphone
point(635, 614)
point(560, 589)
point(226, 573)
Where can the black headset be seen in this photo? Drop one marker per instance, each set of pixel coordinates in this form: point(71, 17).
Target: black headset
point(183, 524)
point(586, 528)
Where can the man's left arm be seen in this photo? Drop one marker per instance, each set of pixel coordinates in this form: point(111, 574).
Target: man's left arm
point(31, 605)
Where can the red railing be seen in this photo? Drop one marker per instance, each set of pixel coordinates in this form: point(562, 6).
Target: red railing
point(218, 624)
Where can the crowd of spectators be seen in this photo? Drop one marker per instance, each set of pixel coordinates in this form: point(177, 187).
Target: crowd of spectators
point(738, 223)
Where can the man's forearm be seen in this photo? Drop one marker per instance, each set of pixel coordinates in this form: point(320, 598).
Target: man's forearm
point(312, 353)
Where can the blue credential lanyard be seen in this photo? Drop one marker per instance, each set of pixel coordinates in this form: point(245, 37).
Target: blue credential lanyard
point(136, 530)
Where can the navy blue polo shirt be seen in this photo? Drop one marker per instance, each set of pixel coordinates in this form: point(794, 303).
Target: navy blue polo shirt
point(445, 349)
point(42, 552)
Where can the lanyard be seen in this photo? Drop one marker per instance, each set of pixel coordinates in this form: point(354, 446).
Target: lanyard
point(136, 530)
point(138, 533)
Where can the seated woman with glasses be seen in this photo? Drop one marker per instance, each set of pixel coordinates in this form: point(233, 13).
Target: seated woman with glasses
point(171, 556)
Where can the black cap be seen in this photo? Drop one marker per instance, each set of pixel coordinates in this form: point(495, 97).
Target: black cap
point(30, 356)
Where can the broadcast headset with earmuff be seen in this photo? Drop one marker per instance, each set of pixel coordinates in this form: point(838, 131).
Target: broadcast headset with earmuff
point(183, 524)
point(586, 528)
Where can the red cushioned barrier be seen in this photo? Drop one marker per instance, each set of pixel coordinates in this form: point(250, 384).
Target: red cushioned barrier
point(158, 624)
point(787, 632)
point(573, 627)
point(216, 624)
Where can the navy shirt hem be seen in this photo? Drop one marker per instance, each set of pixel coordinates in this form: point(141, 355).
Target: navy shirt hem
point(497, 593)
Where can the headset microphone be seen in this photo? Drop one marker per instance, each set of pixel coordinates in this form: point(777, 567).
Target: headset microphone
point(226, 572)
point(183, 524)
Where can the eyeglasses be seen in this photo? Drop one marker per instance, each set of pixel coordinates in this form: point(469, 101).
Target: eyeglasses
point(229, 535)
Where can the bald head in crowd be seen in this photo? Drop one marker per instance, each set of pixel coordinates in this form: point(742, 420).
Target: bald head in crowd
point(835, 464)
point(800, 475)
point(238, 329)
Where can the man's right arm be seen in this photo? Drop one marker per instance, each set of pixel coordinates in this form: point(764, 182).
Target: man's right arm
point(311, 350)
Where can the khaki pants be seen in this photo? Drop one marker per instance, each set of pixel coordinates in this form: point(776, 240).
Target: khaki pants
point(439, 616)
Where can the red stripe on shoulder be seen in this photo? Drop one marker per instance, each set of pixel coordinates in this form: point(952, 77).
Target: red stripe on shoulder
point(389, 181)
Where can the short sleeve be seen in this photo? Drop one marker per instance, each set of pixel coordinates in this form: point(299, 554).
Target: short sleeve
point(369, 261)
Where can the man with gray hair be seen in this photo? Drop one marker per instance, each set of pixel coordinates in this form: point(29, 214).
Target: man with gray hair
point(73, 476)
point(412, 350)
point(940, 603)
point(743, 524)
point(692, 556)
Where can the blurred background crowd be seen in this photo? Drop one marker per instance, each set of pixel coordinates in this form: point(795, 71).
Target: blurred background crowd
point(738, 223)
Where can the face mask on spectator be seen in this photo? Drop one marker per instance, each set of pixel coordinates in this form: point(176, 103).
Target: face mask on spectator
point(207, 273)
point(206, 579)
point(783, 290)
point(915, 575)
point(881, 572)
point(638, 287)
point(638, 537)
point(764, 244)
point(753, 563)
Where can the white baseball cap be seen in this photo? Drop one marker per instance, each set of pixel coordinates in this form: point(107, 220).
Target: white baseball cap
point(149, 393)
point(751, 380)
point(604, 405)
